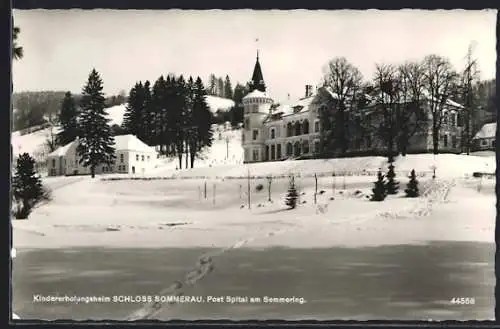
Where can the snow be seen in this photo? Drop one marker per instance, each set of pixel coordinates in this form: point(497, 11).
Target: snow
point(489, 130)
point(218, 103)
point(256, 94)
point(147, 214)
point(31, 143)
point(116, 113)
point(131, 143)
point(61, 151)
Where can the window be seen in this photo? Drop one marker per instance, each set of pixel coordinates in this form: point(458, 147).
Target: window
point(273, 152)
point(453, 141)
point(255, 134)
point(246, 154)
point(493, 143)
point(316, 146)
point(316, 126)
point(273, 135)
point(121, 158)
point(445, 140)
point(289, 149)
point(305, 147)
point(54, 163)
point(255, 155)
point(368, 142)
point(247, 124)
point(137, 157)
point(297, 128)
point(289, 130)
point(445, 118)
point(484, 142)
point(255, 108)
point(453, 119)
point(305, 127)
point(278, 151)
point(142, 157)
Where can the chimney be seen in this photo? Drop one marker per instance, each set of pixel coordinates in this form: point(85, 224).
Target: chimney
point(308, 91)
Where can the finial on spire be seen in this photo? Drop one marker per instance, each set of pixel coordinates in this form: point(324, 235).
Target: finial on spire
point(257, 41)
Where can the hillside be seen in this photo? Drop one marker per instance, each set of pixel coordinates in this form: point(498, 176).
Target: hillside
point(218, 103)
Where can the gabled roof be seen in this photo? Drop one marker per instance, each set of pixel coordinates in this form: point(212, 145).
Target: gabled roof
point(131, 143)
point(487, 131)
point(61, 151)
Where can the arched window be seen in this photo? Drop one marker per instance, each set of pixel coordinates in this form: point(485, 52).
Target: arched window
point(305, 147)
point(305, 127)
point(273, 152)
point(296, 149)
point(289, 149)
point(273, 134)
point(266, 157)
point(297, 128)
point(289, 130)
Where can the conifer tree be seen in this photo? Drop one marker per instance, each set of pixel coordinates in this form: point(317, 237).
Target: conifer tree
point(96, 143)
point(132, 117)
point(228, 88)
point(412, 190)
point(292, 194)
point(178, 116)
point(391, 186)
point(68, 119)
point(220, 87)
point(202, 120)
point(157, 112)
point(146, 113)
point(379, 192)
point(27, 189)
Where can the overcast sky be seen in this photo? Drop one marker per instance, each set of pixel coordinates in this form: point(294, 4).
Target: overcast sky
point(62, 46)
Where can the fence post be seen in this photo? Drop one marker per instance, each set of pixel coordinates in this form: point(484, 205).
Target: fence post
point(315, 187)
point(343, 183)
point(240, 190)
point(248, 181)
point(214, 193)
point(269, 181)
point(199, 193)
point(205, 191)
point(333, 183)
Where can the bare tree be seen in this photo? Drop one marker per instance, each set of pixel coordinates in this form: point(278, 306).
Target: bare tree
point(469, 75)
point(343, 81)
point(411, 117)
point(439, 78)
point(17, 51)
point(387, 87)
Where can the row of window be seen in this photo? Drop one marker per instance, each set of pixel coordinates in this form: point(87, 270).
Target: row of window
point(274, 132)
point(274, 152)
point(137, 157)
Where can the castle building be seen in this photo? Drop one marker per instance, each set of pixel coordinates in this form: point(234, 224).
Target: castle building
point(274, 131)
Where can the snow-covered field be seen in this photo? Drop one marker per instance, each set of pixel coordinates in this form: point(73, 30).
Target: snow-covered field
point(218, 103)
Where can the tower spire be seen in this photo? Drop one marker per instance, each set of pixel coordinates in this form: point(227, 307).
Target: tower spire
point(257, 77)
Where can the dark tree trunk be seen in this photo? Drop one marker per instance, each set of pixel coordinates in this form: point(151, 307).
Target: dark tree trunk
point(192, 153)
point(92, 171)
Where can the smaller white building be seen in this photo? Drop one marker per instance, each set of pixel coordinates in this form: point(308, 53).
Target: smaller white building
point(132, 157)
point(485, 137)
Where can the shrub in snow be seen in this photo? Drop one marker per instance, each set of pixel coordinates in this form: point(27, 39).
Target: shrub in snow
point(27, 188)
point(332, 198)
point(321, 192)
point(259, 187)
point(379, 192)
point(412, 186)
point(292, 195)
point(391, 186)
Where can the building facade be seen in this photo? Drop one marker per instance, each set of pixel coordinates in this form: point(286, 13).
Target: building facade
point(485, 138)
point(132, 157)
point(292, 130)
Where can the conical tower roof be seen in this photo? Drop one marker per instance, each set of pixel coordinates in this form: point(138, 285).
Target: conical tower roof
point(257, 82)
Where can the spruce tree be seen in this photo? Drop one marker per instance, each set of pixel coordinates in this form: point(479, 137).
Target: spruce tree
point(157, 112)
point(379, 192)
point(292, 194)
point(27, 188)
point(220, 87)
point(201, 118)
point(96, 143)
point(68, 119)
point(228, 88)
point(412, 190)
point(132, 116)
point(391, 186)
point(146, 113)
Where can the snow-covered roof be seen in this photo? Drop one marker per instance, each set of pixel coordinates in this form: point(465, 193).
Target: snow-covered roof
point(218, 103)
point(131, 143)
point(61, 151)
point(487, 131)
point(256, 94)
